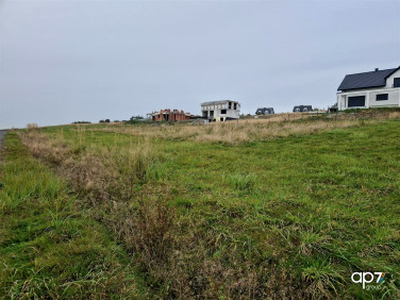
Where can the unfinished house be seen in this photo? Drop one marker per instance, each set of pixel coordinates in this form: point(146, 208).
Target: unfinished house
point(220, 110)
point(170, 115)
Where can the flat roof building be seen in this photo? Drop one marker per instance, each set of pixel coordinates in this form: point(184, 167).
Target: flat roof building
point(220, 110)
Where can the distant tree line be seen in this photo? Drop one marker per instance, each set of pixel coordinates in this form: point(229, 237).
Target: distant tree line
point(81, 122)
point(136, 120)
point(132, 120)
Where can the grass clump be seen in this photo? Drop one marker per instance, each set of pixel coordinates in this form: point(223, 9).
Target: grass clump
point(242, 182)
point(323, 279)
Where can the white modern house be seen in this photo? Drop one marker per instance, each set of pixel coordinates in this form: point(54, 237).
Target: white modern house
point(220, 110)
point(379, 88)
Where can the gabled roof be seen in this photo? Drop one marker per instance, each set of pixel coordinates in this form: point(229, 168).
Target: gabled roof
point(366, 80)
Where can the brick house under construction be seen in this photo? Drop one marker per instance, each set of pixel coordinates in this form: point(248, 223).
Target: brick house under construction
point(170, 115)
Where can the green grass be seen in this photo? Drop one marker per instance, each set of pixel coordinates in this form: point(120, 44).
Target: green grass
point(290, 217)
point(49, 248)
point(330, 197)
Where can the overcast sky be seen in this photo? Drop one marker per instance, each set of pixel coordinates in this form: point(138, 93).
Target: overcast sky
point(65, 61)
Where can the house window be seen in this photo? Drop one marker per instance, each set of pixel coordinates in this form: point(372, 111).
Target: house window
point(356, 101)
point(396, 82)
point(223, 111)
point(382, 97)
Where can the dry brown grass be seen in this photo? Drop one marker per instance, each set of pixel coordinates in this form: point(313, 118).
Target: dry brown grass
point(249, 130)
point(31, 126)
point(233, 133)
point(99, 171)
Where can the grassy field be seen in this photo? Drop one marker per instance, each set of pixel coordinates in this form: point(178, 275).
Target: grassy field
point(284, 208)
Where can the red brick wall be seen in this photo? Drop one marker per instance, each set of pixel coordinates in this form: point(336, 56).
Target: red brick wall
point(174, 115)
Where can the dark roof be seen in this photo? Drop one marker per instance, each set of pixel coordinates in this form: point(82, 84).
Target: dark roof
point(366, 80)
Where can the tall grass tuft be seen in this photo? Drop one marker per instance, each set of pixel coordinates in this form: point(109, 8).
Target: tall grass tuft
point(322, 279)
point(153, 232)
point(32, 126)
point(242, 182)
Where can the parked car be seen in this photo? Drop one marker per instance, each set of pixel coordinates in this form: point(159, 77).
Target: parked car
point(302, 108)
point(265, 111)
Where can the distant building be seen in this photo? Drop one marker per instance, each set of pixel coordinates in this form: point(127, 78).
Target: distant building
point(169, 115)
point(302, 108)
point(220, 110)
point(379, 88)
point(265, 111)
